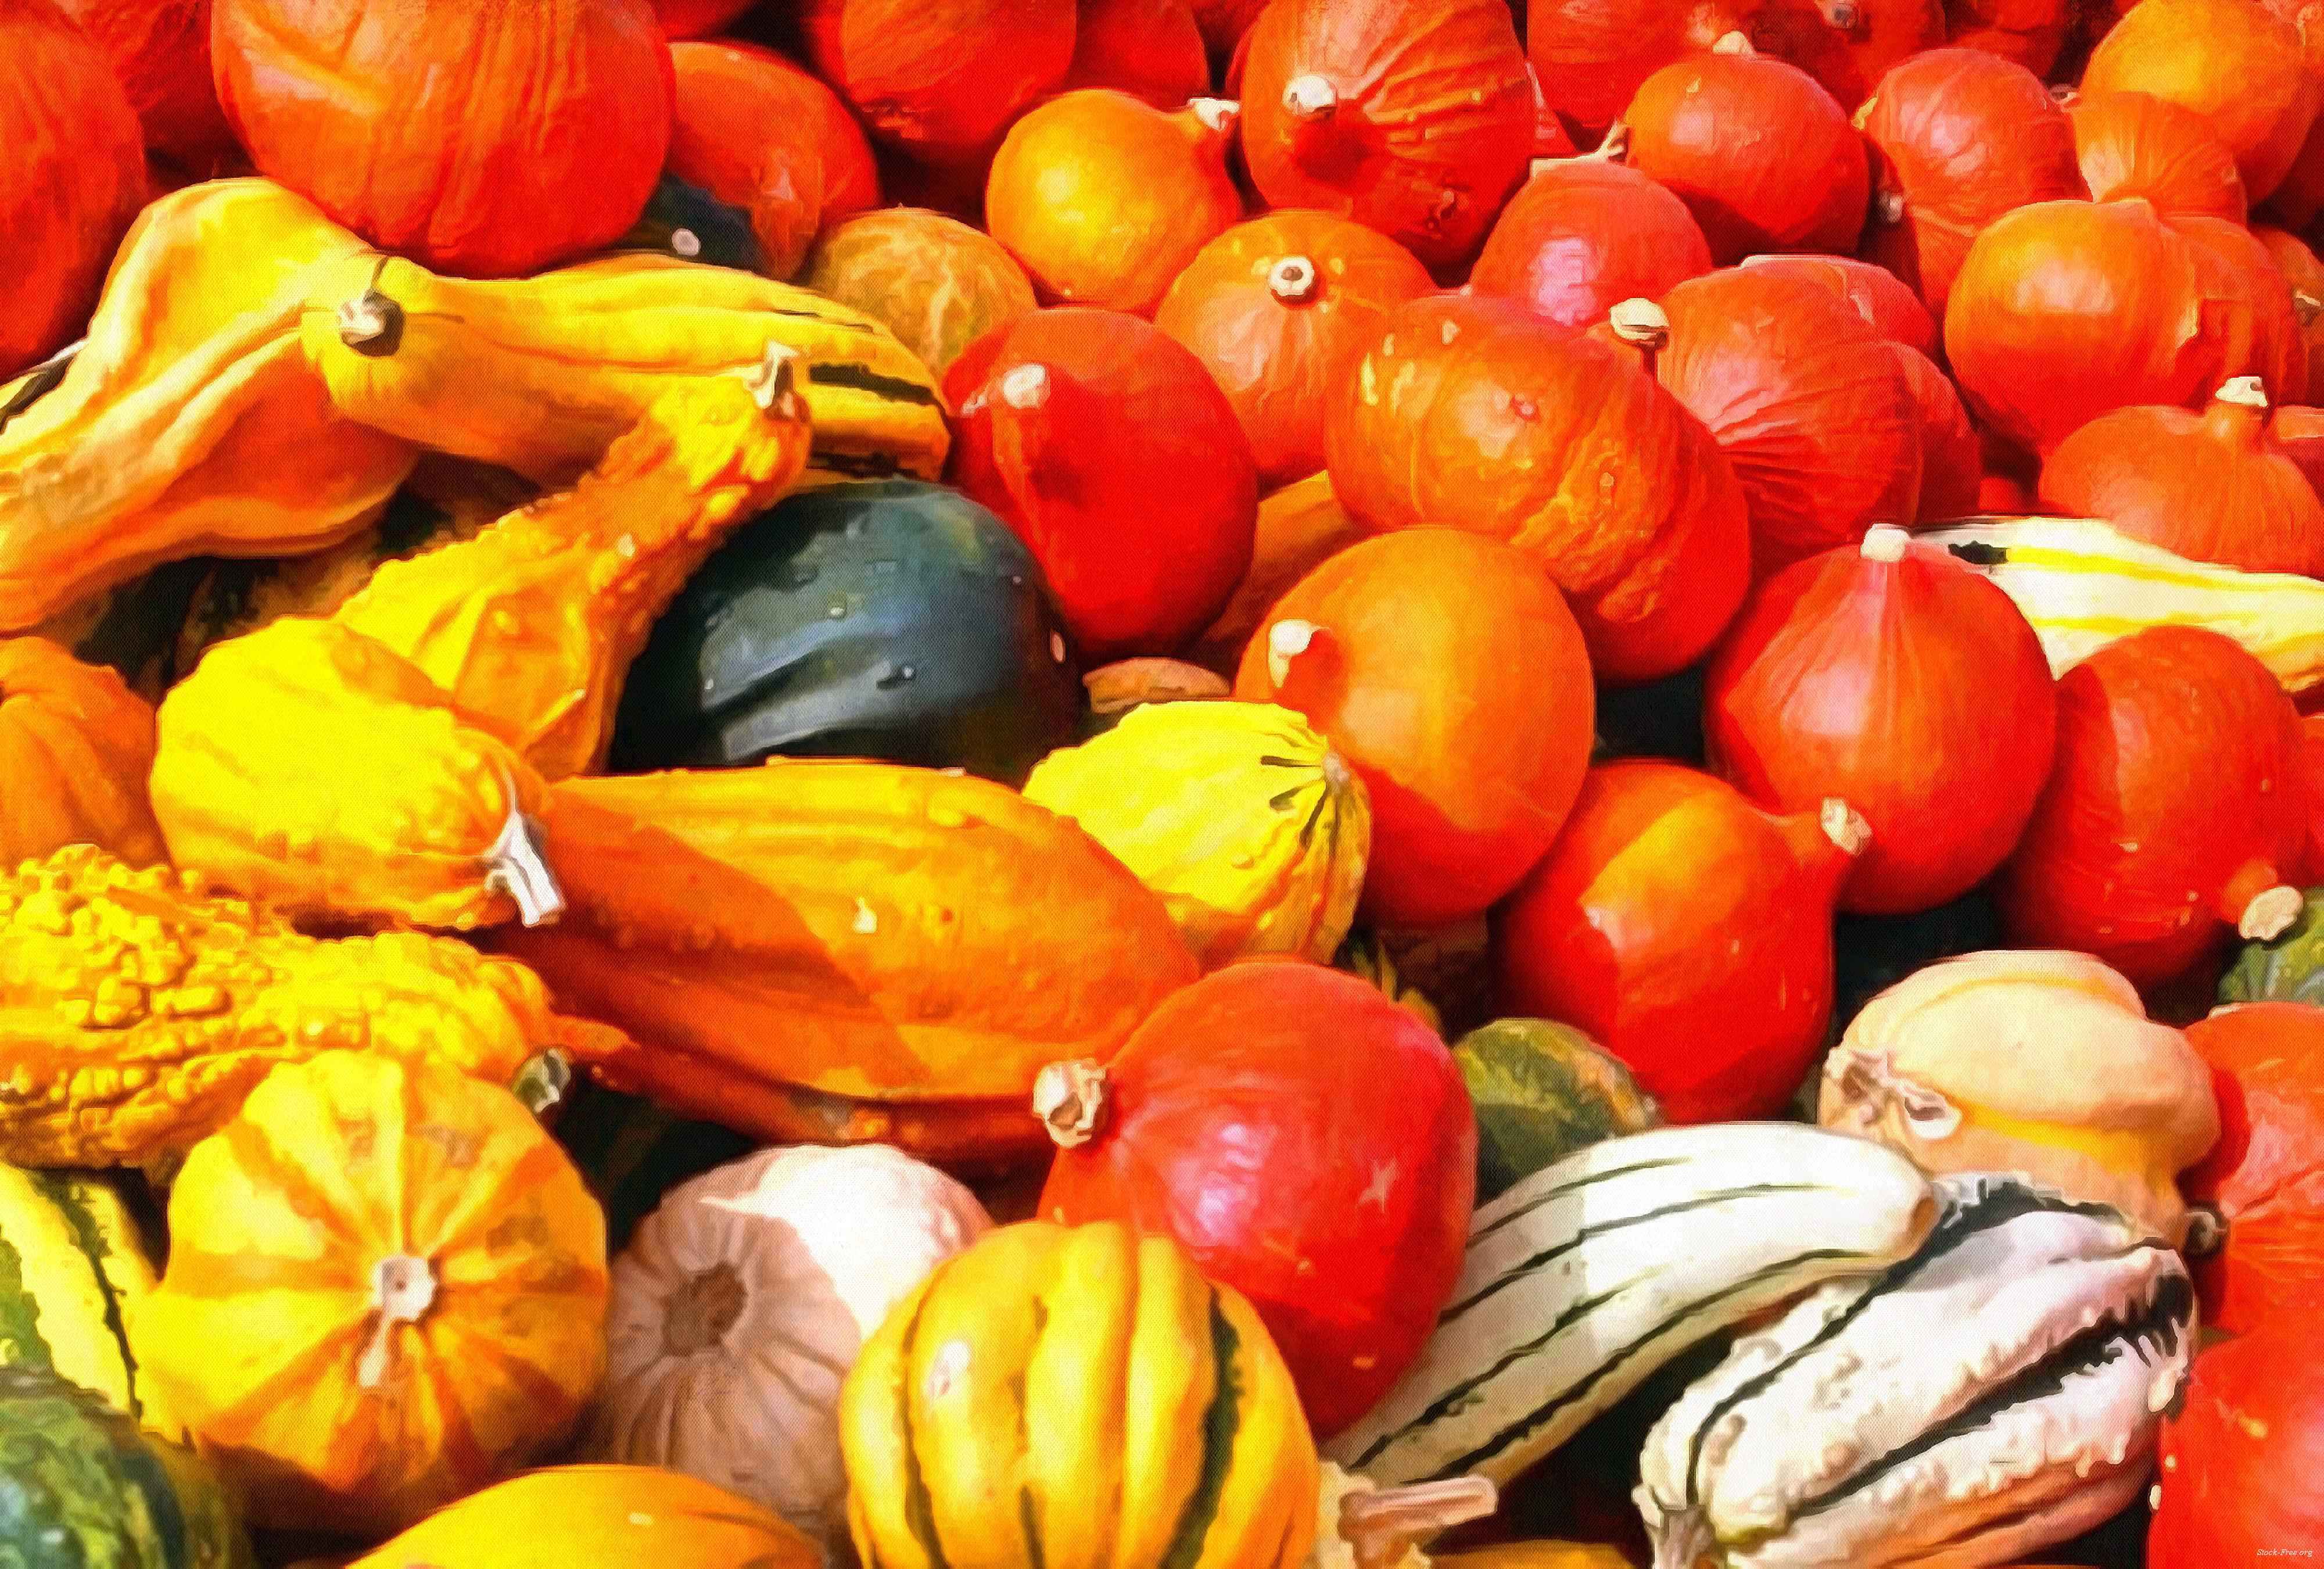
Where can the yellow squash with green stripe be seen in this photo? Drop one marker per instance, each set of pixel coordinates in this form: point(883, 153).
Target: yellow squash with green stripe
point(1076, 1397)
point(73, 1265)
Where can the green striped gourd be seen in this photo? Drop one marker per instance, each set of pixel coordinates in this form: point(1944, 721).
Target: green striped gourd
point(73, 1267)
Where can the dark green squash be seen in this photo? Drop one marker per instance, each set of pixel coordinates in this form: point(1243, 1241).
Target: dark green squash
point(1660, 718)
point(1541, 1092)
point(687, 222)
point(2288, 968)
point(893, 619)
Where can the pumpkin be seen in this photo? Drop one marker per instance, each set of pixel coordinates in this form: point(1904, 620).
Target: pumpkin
point(75, 745)
point(1958, 137)
point(1952, 459)
point(2282, 968)
point(1472, 412)
point(487, 141)
point(939, 81)
point(2265, 1178)
point(2028, 32)
point(386, 1288)
point(613, 1516)
point(1798, 183)
point(1895, 676)
point(1118, 462)
point(2170, 726)
point(1300, 527)
point(945, 653)
point(2136, 144)
point(1278, 309)
point(1447, 672)
point(935, 282)
point(2239, 268)
point(752, 129)
point(1345, 1221)
point(1687, 932)
point(1106, 198)
point(2305, 273)
point(698, 18)
point(1583, 236)
point(1345, 109)
point(1541, 1092)
point(2241, 1451)
point(1152, 49)
point(1252, 830)
point(1847, 45)
point(161, 55)
point(1225, 22)
point(740, 1304)
point(75, 177)
point(2214, 486)
point(2230, 61)
point(1142, 1411)
point(79, 1261)
point(1591, 56)
point(847, 952)
point(1888, 304)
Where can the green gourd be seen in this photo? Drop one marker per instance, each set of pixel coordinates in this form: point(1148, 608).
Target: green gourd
point(2286, 968)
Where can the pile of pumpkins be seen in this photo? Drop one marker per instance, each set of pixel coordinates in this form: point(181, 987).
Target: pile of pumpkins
point(1161, 784)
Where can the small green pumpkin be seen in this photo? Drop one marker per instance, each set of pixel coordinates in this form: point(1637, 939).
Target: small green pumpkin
point(1543, 1090)
point(2286, 968)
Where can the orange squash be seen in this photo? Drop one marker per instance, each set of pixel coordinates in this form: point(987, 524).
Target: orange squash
point(2132, 143)
point(76, 747)
point(2238, 269)
point(2230, 61)
point(1152, 49)
point(160, 53)
point(1584, 234)
point(386, 1288)
point(940, 79)
point(2305, 272)
point(608, 1517)
point(1885, 300)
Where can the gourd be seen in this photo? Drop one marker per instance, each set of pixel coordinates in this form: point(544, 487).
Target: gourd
point(2284, 968)
point(188, 422)
point(542, 375)
point(386, 1288)
point(1921, 1415)
point(1541, 1092)
point(1252, 830)
point(2043, 1063)
point(1142, 1411)
point(75, 745)
point(140, 1011)
point(2135, 145)
point(2264, 1181)
point(1582, 234)
point(529, 628)
point(487, 141)
point(1300, 527)
point(941, 81)
point(935, 282)
point(2238, 66)
point(83, 1486)
point(1886, 301)
point(1106, 198)
point(161, 54)
point(843, 951)
point(739, 1306)
point(74, 1265)
point(612, 1516)
point(424, 816)
point(2239, 1453)
point(1344, 1216)
point(1152, 49)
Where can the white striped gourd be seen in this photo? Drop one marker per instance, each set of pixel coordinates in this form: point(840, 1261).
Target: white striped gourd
point(73, 1265)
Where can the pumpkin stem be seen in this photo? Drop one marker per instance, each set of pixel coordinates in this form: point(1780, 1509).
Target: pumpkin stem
point(2065, 94)
point(1889, 207)
point(1885, 542)
point(1026, 387)
point(1382, 1526)
point(2306, 307)
point(1310, 97)
point(2270, 914)
point(1844, 826)
point(2207, 1232)
point(774, 385)
point(1846, 17)
point(402, 1290)
point(1070, 1099)
point(371, 323)
point(1286, 641)
point(699, 1313)
point(1733, 43)
point(516, 866)
point(1292, 279)
point(1218, 115)
point(543, 1082)
point(1641, 324)
point(2244, 392)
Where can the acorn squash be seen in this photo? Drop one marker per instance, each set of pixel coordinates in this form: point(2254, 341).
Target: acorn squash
point(74, 1263)
point(1541, 1092)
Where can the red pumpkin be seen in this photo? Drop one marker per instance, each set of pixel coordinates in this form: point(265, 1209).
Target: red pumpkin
point(1225, 22)
point(1688, 932)
point(2028, 32)
point(1473, 413)
point(1346, 109)
point(1952, 458)
point(1592, 55)
point(1118, 461)
point(2241, 268)
point(2230, 62)
point(2175, 809)
point(943, 80)
point(1848, 45)
point(2242, 1471)
point(698, 18)
point(759, 134)
point(488, 141)
point(1585, 234)
point(71, 179)
point(1893, 676)
point(1152, 49)
point(161, 54)
point(2305, 273)
point(1884, 300)
point(1344, 1213)
point(2265, 1176)
point(1280, 308)
point(1448, 672)
point(1797, 181)
point(1958, 137)
point(2214, 486)
point(2136, 144)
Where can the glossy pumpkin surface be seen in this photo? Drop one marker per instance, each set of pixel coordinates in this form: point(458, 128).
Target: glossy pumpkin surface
point(2266, 1176)
point(2235, 65)
point(2136, 144)
point(2243, 1450)
point(1584, 234)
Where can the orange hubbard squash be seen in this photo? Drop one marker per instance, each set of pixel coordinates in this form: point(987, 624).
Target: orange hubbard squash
point(76, 746)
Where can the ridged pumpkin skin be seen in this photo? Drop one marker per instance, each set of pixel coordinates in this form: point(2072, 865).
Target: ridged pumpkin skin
point(1141, 1412)
point(935, 282)
point(76, 746)
point(2237, 65)
point(2266, 1176)
point(842, 952)
point(1252, 830)
point(2134, 144)
point(160, 53)
point(447, 1325)
point(940, 82)
point(489, 141)
point(1582, 235)
point(610, 1517)
point(2244, 1450)
point(1886, 301)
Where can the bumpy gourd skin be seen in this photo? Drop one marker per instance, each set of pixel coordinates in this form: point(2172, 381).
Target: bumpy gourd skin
point(136, 1012)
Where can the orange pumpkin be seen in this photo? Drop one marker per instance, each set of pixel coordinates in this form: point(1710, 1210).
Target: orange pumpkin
point(2028, 32)
point(1279, 309)
point(1847, 45)
point(1585, 234)
point(386, 1288)
point(1952, 458)
point(2304, 272)
point(1885, 300)
point(2237, 267)
point(75, 747)
point(1152, 49)
point(1105, 198)
point(160, 53)
point(2137, 144)
point(2227, 60)
point(73, 177)
point(939, 80)
point(1591, 55)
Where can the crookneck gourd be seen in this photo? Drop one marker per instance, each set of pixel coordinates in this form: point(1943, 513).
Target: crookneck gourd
point(1999, 1392)
point(189, 423)
point(841, 952)
point(531, 626)
point(542, 375)
point(137, 1012)
point(76, 744)
point(309, 767)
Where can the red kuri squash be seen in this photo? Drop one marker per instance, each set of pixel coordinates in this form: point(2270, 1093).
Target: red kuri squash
point(1591, 55)
point(2030, 33)
point(1884, 300)
point(2137, 144)
point(1848, 45)
point(2242, 1472)
point(160, 53)
point(940, 79)
point(1585, 234)
point(2240, 268)
point(2231, 62)
point(1344, 1214)
point(2265, 1178)
point(2304, 272)
point(1152, 49)
point(1952, 455)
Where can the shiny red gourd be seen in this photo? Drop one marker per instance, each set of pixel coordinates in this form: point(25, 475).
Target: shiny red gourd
point(161, 54)
point(2214, 486)
point(2175, 811)
point(2265, 1178)
point(1688, 932)
point(1893, 676)
point(1116, 458)
point(1346, 109)
point(1152, 49)
point(2241, 1478)
point(1797, 181)
point(940, 79)
point(1279, 310)
point(1958, 138)
point(1952, 454)
point(1885, 300)
point(1584, 234)
point(1470, 412)
point(2029, 32)
point(1342, 1209)
point(2133, 144)
point(1448, 672)
point(2230, 62)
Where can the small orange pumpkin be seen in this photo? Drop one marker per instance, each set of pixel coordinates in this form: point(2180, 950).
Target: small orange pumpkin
point(76, 747)
point(2137, 144)
point(940, 79)
point(2227, 60)
point(1149, 49)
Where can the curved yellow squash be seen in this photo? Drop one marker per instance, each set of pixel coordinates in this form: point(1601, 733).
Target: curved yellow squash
point(606, 1516)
